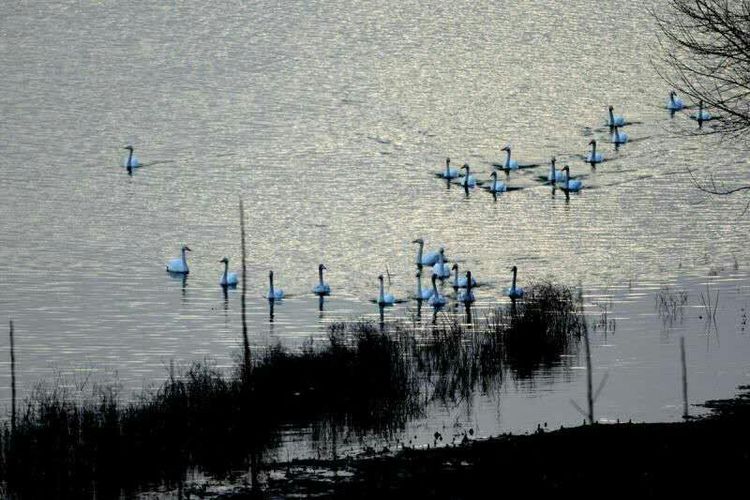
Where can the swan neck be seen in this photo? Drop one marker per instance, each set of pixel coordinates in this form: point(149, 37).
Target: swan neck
point(320, 275)
point(184, 260)
point(611, 117)
point(382, 292)
point(507, 158)
point(419, 253)
point(513, 286)
point(130, 157)
point(434, 288)
point(270, 282)
point(468, 284)
point(226, 271)
point(456, 270)
point(593, 150)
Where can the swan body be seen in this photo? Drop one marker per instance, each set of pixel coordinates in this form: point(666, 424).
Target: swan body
point(449, 173)
point(467, 296)
point(514, 292)
point(468, 180)
point(461, 281)
point(619, 137)
point(568, 184)
point(674, 103)
point(322, 288)
point(436, 300)
point(593, 157)
point(497, 186)
point(179, 266)
point(509, 164)
point(614, 120)
point(273, 293)
point(385, 299)
point(430, 259)
point(227, 278)
point(441, 269)
point(422, 293)
point(701, 115)
point(130, 161)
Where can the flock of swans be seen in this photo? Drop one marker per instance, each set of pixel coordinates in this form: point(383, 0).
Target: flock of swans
point(436, 260)
point(560, 178)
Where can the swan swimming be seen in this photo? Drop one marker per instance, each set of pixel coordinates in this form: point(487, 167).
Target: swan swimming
point(448, 173)
point(618, 137)
point(385, 299)
point(179, 266)
point(131, 161)
point(514, 292)
point(422, 293)
point(228, 279)
point(701, 115)
point(614, 120)
point(441, 269)
point(322, 287)
point(436, 300)
point(467, 296)
point(468, 180)
point(273, 293)
point(568, 184)
point(674, 103)
point(508, 164)
point(460, 281)
point(425, 260)
point(593, 157)
point(554, 176)
point(497, 186)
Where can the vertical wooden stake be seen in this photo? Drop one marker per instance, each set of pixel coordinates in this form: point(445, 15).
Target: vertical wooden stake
point(589, 375)
point(12, 383)
point(245, 341)
point(684, 379)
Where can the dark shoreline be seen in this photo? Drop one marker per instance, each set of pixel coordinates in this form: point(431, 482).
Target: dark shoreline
point(709, 455)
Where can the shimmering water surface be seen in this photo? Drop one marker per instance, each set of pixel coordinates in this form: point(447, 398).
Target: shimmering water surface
point(329, 119)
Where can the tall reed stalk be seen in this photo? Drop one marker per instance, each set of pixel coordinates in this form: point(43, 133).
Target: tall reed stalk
point(684, 380)
point(12, 382)
point(245, 341)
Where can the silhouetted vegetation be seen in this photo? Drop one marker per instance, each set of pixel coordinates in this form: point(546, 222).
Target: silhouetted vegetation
point(365, 379)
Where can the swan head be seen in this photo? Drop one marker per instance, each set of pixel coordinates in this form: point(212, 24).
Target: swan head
point(270, 274)
point(380, 278)
point(466, 166)
point(321, 267)
point(129, 148)
point(447, 161)
point(611, 108)
point(494, 175)
point(455, 267)
point(442, 251)
point(224, 260)
point(566, 169)
point(419, 241)
point(186, 248)
point(468, 276)
point(418, 275)
point(672, 93)
point(553, 161)
point(505, 148)
point(592, 142)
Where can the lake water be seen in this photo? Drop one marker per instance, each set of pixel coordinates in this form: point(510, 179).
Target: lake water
point(329, 120)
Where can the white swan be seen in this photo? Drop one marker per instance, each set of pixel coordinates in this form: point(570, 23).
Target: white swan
point(180, 265)
point(228, 279)
point(425, 260)
point(674, 103)
point(593, 157)
point(468, 180)
point(385, 299)
point(701, 115)
point(422, 293)
point(554, 175)
point(449, 173)
point(460, 281)
point(322, 288)
point(131, 161)
point(441, 269)
point(467, 296)
point(514, 292)
point(273, 293)
point(568, 184)
point(497, 186)
point(618, 137)
point(614, 120)
point(509, 164)
point(436, 300)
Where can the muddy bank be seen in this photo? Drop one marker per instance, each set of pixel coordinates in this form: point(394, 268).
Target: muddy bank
point(708, 455)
